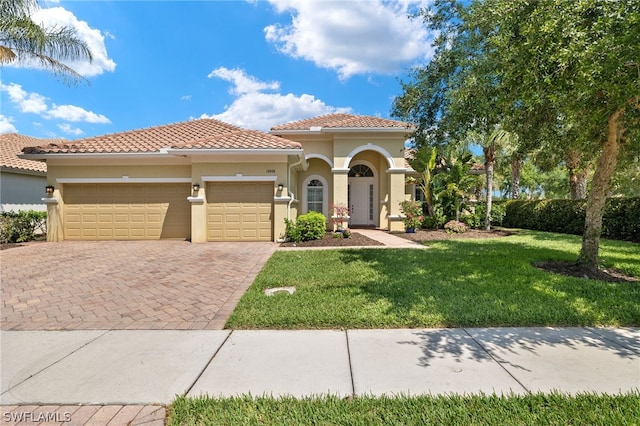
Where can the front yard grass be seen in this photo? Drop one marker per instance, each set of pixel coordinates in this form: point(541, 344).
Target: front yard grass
point(454, 283)
point(553, 409)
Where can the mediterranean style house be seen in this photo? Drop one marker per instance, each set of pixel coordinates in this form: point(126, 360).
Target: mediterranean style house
point(205, 180)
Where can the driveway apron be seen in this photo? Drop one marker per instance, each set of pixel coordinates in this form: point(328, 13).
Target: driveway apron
point(134, 285)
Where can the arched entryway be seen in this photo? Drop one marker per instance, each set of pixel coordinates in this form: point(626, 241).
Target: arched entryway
point(362, 195)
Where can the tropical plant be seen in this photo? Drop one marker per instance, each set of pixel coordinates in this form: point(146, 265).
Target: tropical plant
point(23, 40)
point(454, 183)
point(424, 162)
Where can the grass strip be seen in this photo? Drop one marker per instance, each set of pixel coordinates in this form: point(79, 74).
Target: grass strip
point(538, 409)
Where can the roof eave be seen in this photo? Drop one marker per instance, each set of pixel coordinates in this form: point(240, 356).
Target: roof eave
point(21, 171)
point(343, 130)
point(218, 151)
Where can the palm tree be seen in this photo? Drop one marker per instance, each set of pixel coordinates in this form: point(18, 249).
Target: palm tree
point(21, 39)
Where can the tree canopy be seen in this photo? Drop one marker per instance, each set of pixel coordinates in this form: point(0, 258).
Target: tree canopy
point(562, 76)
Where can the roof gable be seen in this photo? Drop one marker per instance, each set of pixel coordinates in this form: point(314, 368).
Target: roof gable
point(342, 121)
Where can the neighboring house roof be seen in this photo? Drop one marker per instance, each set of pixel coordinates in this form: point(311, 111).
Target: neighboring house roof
point(342, 121)
point(194, 134)
point(11, 144)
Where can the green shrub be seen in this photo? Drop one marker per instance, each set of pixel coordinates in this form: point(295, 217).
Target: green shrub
point(310, 226)
point(436, 221)
point(472, 220)
point(498, 211)
point(25, 225)
point(620, 221)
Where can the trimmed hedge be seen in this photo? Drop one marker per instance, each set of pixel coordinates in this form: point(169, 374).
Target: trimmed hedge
point(620, 221)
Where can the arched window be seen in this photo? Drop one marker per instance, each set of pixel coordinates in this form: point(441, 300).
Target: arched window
point(360, 170)
point(315, 196)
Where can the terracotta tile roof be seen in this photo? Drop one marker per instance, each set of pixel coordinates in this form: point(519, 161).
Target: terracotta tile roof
point(11, 144)
point(342, 121)
point(202, 133)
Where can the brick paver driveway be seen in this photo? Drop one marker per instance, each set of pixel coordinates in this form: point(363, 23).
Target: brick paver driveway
point(76, 285)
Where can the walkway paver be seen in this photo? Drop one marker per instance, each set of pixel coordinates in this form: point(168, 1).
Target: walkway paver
point(111, 285)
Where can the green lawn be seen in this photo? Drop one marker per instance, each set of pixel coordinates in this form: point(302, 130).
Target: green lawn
point(455, 283)
point(554, 409)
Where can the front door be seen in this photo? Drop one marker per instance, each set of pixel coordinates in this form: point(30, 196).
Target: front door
point(362, 201)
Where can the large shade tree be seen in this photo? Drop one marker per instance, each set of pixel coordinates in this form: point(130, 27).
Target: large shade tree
point(542, 63)
point(26, 41)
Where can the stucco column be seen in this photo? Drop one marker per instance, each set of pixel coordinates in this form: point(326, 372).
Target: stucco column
point(198, 216)
point(396, 196)
point(54, 217)
point(341, 189)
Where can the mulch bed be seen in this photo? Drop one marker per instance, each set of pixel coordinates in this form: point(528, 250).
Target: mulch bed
point(329, 241)
point(440, 234)
point(572, 269)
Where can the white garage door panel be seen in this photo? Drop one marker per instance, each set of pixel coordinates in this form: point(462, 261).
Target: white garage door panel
point(239, 211)
point(126, 211)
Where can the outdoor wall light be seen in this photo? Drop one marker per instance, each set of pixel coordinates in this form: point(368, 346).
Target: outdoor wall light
point(196, 187)
point(280, 187)
point(49, 189)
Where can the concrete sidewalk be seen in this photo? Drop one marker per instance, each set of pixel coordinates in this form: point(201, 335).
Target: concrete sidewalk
point(142, 367)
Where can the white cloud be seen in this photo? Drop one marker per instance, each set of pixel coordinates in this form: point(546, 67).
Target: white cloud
point(185, 98)
point(66, 127)
point(26, 102)
point(37, 104)
point(6, 126)
point(254, 109)
point(352, 37)
point(75, 113)
point(242, 83)
point(58, 16)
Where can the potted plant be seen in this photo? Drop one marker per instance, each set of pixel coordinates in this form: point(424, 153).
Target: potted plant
point(413, 217)
point(339, 215)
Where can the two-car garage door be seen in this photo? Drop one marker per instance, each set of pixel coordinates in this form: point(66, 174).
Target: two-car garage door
point(125, 211)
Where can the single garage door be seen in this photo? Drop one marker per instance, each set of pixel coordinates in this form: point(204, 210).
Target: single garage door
point(239, 211)
point(124, 211)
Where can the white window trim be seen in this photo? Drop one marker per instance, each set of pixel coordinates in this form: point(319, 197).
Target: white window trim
point(325, 194)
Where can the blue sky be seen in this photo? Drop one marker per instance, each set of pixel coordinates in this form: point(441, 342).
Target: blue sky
point(254, 64)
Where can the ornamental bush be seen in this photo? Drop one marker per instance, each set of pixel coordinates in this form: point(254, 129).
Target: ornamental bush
point(455, 227)
point(25, 225)
point(310, 226)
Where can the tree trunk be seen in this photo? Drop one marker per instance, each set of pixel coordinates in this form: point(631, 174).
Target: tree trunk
point(489, 161)
point(577, 176)
point(598, 196)
point(516, 168)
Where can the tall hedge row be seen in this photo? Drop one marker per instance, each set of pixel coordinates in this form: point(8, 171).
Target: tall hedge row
point(621, 219)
